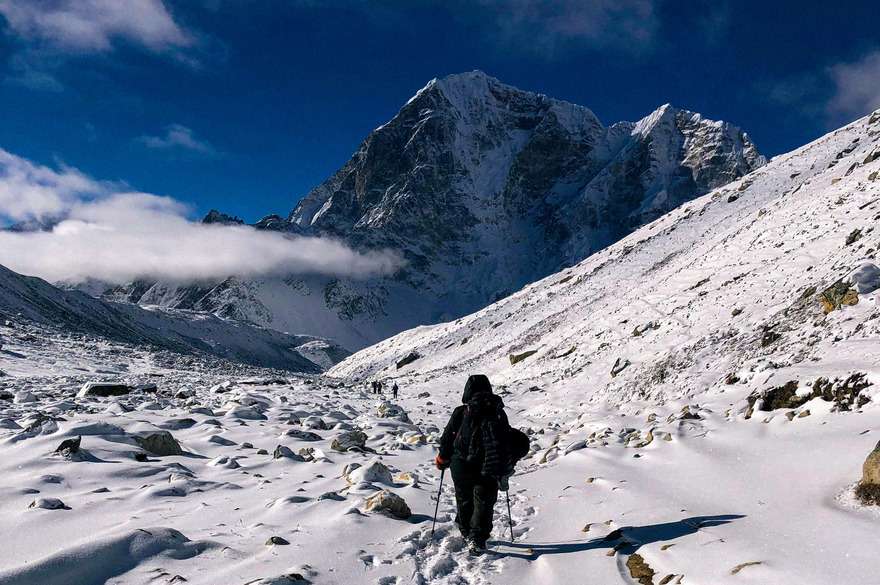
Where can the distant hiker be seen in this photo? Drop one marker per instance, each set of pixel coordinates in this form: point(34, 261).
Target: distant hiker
point(378, 387)
point(394, 390)
point(481, 449)
point(373, 387)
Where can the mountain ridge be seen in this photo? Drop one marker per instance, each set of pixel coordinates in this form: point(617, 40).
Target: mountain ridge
point(482, 188)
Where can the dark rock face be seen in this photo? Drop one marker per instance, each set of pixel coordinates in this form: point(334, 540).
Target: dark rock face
point(483, 188)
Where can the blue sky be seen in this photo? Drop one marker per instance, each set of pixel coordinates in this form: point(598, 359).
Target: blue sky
point(244, 105)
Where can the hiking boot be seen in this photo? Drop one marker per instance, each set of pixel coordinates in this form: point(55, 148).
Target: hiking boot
point(476, 546)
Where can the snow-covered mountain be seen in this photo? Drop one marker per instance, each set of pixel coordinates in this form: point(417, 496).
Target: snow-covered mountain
point(36, 301)
point(483, 188)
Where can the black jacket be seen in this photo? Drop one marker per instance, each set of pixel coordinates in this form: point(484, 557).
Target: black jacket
point(483, 447)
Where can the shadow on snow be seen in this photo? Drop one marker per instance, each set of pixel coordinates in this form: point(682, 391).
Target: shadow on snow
point(626, 540)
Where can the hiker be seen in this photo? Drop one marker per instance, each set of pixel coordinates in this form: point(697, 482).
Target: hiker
point(373, 387)
point(480, 448)
point(394, 390)
point(378, 387)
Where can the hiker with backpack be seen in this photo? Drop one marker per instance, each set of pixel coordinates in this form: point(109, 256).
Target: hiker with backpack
point(480, 448)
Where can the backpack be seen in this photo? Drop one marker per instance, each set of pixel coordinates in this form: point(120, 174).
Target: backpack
point(482, 438)
point(518, 443)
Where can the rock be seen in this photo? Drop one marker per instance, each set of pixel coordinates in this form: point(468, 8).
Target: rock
point(68, 447)
point(262, 452)
point(619, 366)
point(408, 359)
point(177, 424)
point(103, 389)
point(225, 462)
point(6, 396)
point(372, 472)
point(639, 570)
point(388, 503)
point(160, 443)
point(853, 237)
point(283, 452)
point(49, 504)
point(276, 541)
point(515, 358)
point(868, 489)
point(218, 440)
point(837, 296)
point(349, 441)
point(865, 278)
point(24, 397)
point(388, 410)
point(245, 413)
point(336, 497)
point(315, 423)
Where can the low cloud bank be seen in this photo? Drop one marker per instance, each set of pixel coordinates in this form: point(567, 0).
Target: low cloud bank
point(118, 237)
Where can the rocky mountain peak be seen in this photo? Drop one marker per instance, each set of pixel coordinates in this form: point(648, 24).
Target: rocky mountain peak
point(483, 188)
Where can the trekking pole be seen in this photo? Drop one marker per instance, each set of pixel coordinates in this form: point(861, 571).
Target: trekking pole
point(437, 506)
point(509, 517)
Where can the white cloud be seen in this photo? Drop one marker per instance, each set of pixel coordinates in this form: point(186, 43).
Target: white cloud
point(118, 236)
point(95, 25)
point(544, 26)
point(31, 191)
point(178, 136)
point(856, 87)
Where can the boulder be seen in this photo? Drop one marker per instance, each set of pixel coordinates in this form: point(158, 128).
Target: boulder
point(837, 296)
point(302, 435)
point(389, 410)
point(69, 447)
point(388, 503)
point(372, 472)
point(283, 452)
point(160, 443)
point(49, 504)
point(515, 358)
point(408, 359)
point(619, 366)
point(868, 489)
point(24, 397)
point(176, 424)
point(103, 389)
point(349, 441)
point(315, 423)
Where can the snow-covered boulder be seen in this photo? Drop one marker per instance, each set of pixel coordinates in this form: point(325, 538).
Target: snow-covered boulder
point(389, 503)
point(372, 472)
point(349, 441)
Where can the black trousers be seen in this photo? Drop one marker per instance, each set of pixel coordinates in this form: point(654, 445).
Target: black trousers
point(475, 497)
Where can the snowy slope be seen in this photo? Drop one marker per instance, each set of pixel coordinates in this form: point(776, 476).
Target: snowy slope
point(75, 312)
point(483, 188)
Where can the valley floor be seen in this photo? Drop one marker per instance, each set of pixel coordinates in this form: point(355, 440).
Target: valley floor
point(683, 493)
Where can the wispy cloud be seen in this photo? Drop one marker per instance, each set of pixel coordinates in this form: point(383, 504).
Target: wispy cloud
point(50, 33)
point(179, 137)
point(549, 26)
point(95, 25)
point(113, 235)
point(856, 87)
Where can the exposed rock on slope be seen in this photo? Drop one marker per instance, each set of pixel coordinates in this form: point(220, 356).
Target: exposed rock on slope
point(483, 188)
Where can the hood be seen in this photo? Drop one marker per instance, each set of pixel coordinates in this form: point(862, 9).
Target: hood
point(476, 384)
